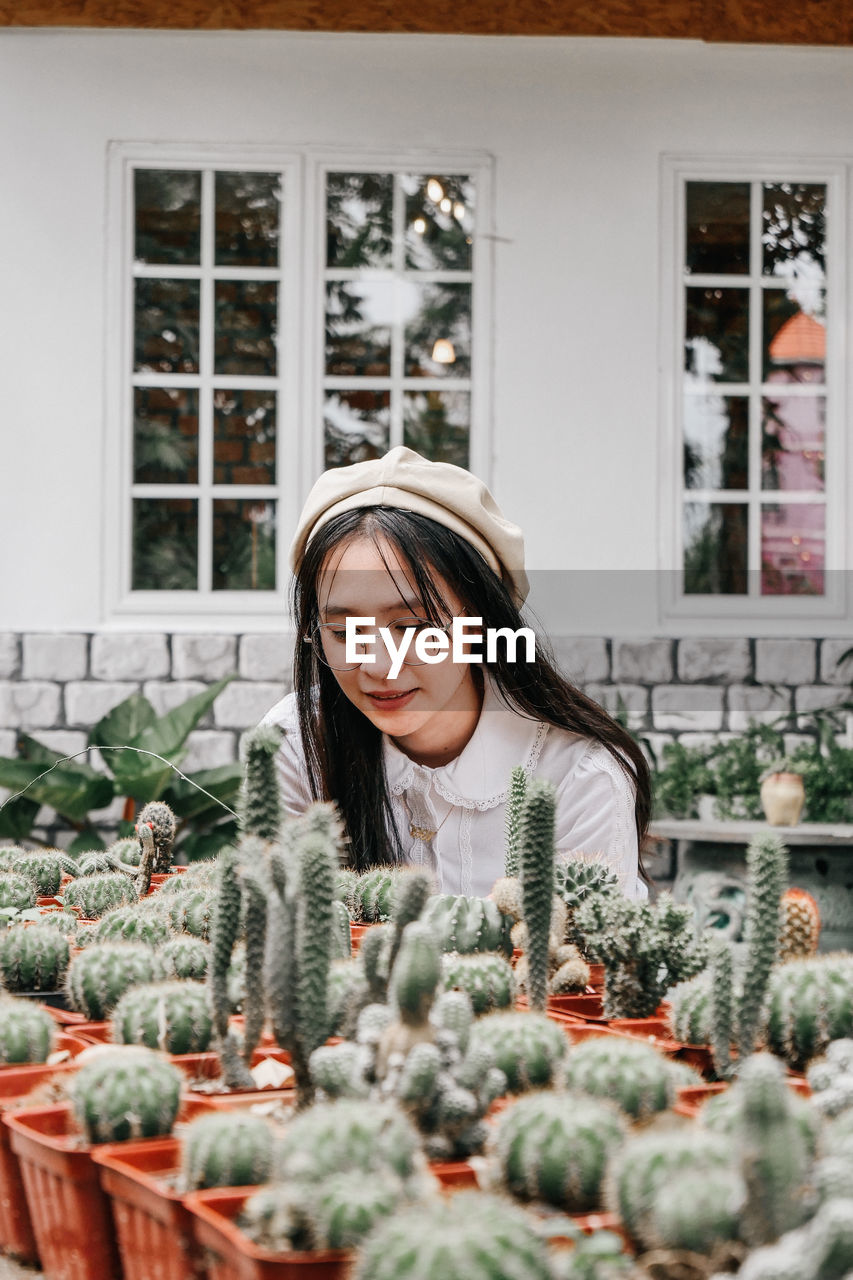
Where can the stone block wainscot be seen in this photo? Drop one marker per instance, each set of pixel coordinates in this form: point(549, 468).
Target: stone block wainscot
point(696, 690)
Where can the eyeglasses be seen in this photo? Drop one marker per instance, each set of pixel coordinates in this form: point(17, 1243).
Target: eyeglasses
point(328, 640)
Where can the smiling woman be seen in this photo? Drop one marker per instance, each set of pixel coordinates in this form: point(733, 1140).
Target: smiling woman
point(417, 748)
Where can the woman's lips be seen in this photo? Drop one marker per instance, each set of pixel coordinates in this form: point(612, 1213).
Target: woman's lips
point(391, 700)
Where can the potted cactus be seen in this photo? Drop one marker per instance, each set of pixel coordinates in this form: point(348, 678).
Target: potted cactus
point(33, 961)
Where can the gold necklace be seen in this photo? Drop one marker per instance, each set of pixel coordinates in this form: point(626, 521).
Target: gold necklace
point(425, 833)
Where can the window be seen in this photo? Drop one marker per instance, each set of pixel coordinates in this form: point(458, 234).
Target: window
point(754, 390)
point(282, 314)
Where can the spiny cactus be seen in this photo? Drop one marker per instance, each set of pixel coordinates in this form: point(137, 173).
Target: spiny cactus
point(9, 855)
point(697, 1210)
point(831, 1079)
point(27, 1032)
point(367, 1137)
point(821, 1250)
point(414, 982)
point(810, 1003)
point(347, 995)
point(467, 1236)
point(184, 957)
point(18, 890)
point(467, 924)
point(555, 1147)
point(722, 1006)
point(33, 958)
point(98, 977)
point(96, 862)
point(371, 896)
point(127, 850)
point(536, 854)
point(160, 818)
point(690, 1009)
point(198, 875)
point(171, 1016)
point(260, 799)
point(575, 879)
point(631, 1073)
point(527, 1047)
point(126, 1093)
point(226, 1149)
point(191, 911)
point(335, 1214)
point(645, 947)
point(517, 789)
point(131, 924)
point(487, 980)
point(99, 893)
point(44, 868)
point(799, 931)
point(224, 907)
point(767, 874)
point(567, 969)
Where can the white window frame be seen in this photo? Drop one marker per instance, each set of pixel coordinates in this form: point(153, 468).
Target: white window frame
point(299, 381)
point(750, 614)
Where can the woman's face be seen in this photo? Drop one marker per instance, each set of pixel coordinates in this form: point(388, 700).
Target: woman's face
point(430, 710)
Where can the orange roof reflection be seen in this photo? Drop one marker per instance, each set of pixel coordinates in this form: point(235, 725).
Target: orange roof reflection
point(800, 338)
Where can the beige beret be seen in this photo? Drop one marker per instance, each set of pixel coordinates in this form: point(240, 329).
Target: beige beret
point(447, 494)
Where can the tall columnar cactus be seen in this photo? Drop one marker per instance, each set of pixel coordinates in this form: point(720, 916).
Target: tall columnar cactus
point(629, 1072)
point(126, 1093)
point(255, 925)
point(767, 875)
point(226, 1149)
point(722, 1006)
point(100, 975)
point(132, 924)
point(99, 893)
point(697, 1210)
point(18, 890)
point(225, 928)
point(467, 1236)
point(775, 1154)
point(527, 1047)
point(517, 789)
point(536, 852)
point(466, 924)
point(44, 868)
point(555, 1147)
point(260, 800)
point(810, 1004)
point(487, 979)
point(27, 1032)
point(171, 1016)
point(33, 958)
point(799, 932)
point(414, 982)
point(690, 1009)
point(359, 1136)
point(184, 957)
point(821, 1250)
point(160, 818)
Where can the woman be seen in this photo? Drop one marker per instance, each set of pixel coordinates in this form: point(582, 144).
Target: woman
point(415, 747)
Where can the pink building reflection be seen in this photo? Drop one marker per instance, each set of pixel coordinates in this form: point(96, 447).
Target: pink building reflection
point(793, 535)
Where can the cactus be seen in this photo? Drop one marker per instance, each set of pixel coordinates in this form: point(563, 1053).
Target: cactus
point(372, 895)
point(9, 855)
point(339, 1071)
point(799, 930)
point(527, 1047)
point(575, 879)
point(99, 976)
point(567, 970)
point(767, 874)
point(224, 910)
point(648, 1165)
point(690, 1009)
point(341, 936)
point(631, 1073)
point(486, 979)
point(26, 1031)
point(260, 799)
point(96, 862)
point(160, 818)
point(536, 851)
point(255, 926)
point(345, 882)
point(775, 1155)
point(346, 995)
point(226, 1149)
point(99, 893)
point(517, 788)
point(555, 1147)
point(645, 947)
point(127, 850)
point(336, 1214)
point(33, 958)
point(171, 1016)
point(831, 1079)
point(696, 1210)
point(198, 875)
point(467, 924)
point(810, 1003)
point(126, 1093)
point(821, 1250)
point(414, 982)
point(184, 957)
point(467, 1236)
point(131, 924)
point(191, 911)
point(42, 867)
point(18, 890)
point(366, 1137)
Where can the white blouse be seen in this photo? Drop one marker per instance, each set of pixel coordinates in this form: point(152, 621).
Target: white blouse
point(465, 801)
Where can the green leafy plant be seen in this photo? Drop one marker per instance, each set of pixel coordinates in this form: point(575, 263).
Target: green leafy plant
point(74, 789)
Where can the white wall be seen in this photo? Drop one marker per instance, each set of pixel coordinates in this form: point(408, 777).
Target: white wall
point(577, 129)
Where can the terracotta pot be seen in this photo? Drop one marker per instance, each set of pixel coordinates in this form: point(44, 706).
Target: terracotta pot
point(207, 1066)
point(654, 1030)
point(782, 798)
point(590, 1007)
point(153, 1227)
point(94, 1032)
point(453, 1174)
point(231, 1255)
point(356, 933)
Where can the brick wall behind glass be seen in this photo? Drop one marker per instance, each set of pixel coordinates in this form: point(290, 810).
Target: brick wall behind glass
point(56, 686)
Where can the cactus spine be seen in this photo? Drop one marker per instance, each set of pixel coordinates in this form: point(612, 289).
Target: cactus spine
point(184, 958)
point(44, 868)
point(171, 1016)
point(33, 958)
point(227, 1149)
point(517, 788)
point(26, 1031)
point(132, 924)
point(126, 1094)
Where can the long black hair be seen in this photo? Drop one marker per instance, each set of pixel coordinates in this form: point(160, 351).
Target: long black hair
point(343, 750)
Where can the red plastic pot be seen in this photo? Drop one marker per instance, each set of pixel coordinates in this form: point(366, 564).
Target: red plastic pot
point(153, 1227)
point(584, 1006)
point(357, 932)
point(454, 1174)
point(207, 1065)
point(94, 1032)
point(230, 1255)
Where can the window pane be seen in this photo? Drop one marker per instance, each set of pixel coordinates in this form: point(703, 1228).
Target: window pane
point(794, 340)
point(793, 231)
point(358, 219)
point(715, 548)
point(437, 423)
point(438, 331)
point(246, 316)
point(247, 219)
point(717, 335)
point(165, 435)
point(718, 228)
point(439, 222)
point(166, 328)
point(167, 216)
point(716, 442)
point(165, 544)
point(358, 327)
point(792, 442)
point(792, 549)
point(357, 426)
point(243, 545)
point(244, 435)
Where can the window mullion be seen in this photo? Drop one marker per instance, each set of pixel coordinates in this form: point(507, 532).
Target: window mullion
point(398, 333)
point(756, 315)
point(205, 407)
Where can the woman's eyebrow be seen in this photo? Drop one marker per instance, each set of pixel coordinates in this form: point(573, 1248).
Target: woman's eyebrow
point(343, 611)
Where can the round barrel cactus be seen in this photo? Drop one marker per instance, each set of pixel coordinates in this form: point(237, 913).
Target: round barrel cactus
point(810, 1004)
point(184, 957)
point(99, 976)
point(348, 1134)
point(172, 1016)
point(126, 1093)
point(44, 868)
point(192, 911)
point(226, 1149)
point(132, 924)
point(27, 1032)
point(528, 1048)
point(629, 1072)
point(485, 977)
point(33, 958)
point(371, 896)
point(127, 850)
point(335, 1214)
point(467, 924)
point(99, 893)
point(18, 890)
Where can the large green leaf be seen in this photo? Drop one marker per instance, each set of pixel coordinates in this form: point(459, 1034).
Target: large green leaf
point(144, 777)
point(168, 734)
point(35, 751)
point(87, 841)
point(207, 844)
point(123, 724)
point(68, 791)
point(17, 818)
point(223, 782)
